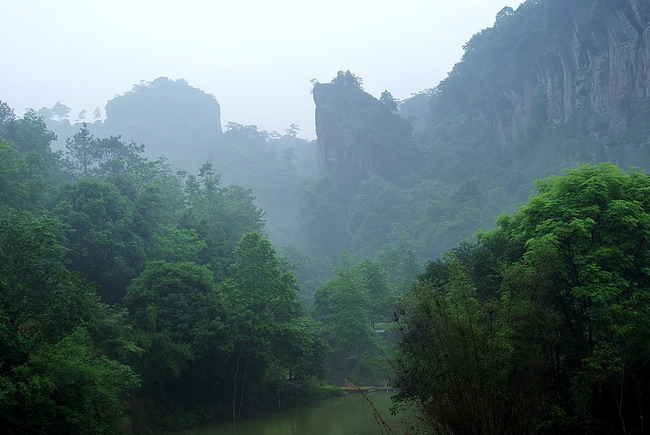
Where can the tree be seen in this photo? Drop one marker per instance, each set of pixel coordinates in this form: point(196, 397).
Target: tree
point(82, 152)
point(29, 135)
point(388, 100)
point(60, 111)
point(219, 215)
point(347, 79)
point(115, 156)
point(21, 182)
point(6, 116)
point(292, 130)
point(323, 217)
point(548, 312)
point(103, 245)
point(381, 300)
point(67, 388)
point(53, 376)
point(178, 244)
point(503, 14)
point(343, 307)
point(264, 316)
point(39, 296)
point(89, 156)
point(180, 316)
point(470, 360)
point(377, 207)
point(592, 225)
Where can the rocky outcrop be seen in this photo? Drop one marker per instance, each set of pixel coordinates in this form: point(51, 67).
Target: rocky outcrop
point(170, 118)
point(581, 67)
point(358, 136)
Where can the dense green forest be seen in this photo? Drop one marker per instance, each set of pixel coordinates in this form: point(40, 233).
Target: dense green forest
point(542, 324)
point(161, 271)
point(135, 296)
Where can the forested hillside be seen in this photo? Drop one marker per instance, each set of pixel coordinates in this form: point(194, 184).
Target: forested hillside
point(134, 296)
point(160, 270)
point(542, 325)
point(551, 84)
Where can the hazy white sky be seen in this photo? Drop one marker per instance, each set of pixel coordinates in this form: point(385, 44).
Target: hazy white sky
point(256, 57)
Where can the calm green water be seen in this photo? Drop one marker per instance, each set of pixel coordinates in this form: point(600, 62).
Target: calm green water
point(347, 415)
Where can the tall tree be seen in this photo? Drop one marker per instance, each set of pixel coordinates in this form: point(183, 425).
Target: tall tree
point(82, 152)
point(219, 215)
point(53, 376)
point(180, 318)
point(103, 245)
point(548, 312)
point(264, 315)
point(89, 156)
point(343, 306)
point(388, 100)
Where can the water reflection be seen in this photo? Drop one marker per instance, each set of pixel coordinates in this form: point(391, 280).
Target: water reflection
point(347, 415)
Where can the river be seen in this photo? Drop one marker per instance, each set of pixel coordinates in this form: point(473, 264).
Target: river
point(347, 415)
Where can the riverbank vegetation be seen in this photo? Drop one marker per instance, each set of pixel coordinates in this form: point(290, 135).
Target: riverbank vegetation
point(248, 270)
point(542, 325)
point(132, 294)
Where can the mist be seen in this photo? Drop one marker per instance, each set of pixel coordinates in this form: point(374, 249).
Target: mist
point(250, 217)
point(257, 58)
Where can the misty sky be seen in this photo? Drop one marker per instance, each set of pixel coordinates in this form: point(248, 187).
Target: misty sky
point(256, 57)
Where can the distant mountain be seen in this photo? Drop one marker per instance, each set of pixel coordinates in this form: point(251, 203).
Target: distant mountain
point(170, 117)
point(553, 83)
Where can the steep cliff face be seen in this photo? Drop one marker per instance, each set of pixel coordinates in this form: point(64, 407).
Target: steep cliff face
point(358, 136)
point(576, 74)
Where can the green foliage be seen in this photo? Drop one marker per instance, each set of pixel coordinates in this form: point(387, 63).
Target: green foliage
point(219, 215)
point(39, 296)
point(68, 363)
point(68, 388)
point(322, 217)
point(31, 138)
point(272, 339)
point(251, 158)
point(377, 208)
point(21, 180)
point(341, 305)
point(178, 244)
point(178, 315)
point(465, 357)
point(175, 299)
point(30, 134)
point(261, 297)
point(6, 116)
point(81, 151)
point(548, 311)
point(592, 225)
point(311, 272)
point(102, 243)
point(346, 79)
point(100, 158)
point(53, 376)
point(349, 304)
point(388, 100)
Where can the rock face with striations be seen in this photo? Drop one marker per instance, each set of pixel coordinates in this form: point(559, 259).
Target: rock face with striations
point(358, 136)
point(576, 74)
